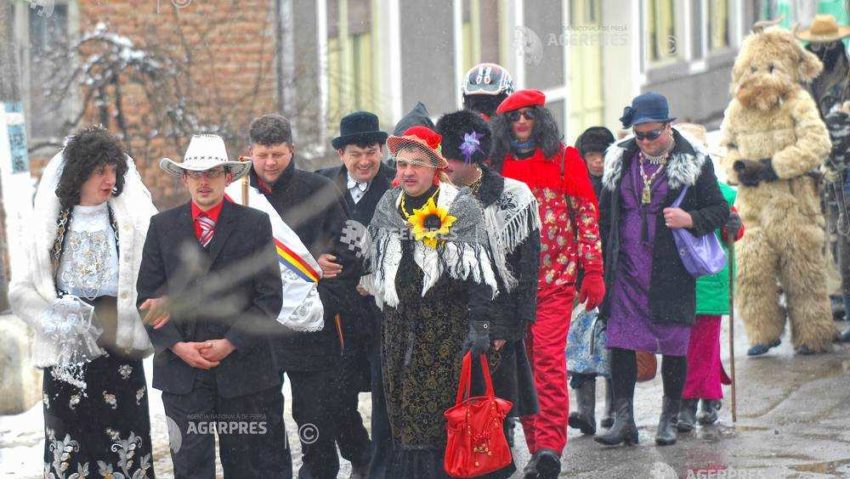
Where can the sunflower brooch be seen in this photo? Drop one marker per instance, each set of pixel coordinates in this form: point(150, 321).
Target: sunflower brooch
point(430, 222)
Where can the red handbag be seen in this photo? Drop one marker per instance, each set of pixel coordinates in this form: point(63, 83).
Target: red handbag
point(476, 437)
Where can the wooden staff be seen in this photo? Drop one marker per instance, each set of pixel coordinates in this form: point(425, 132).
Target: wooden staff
point(730, 239)
point(246, 182)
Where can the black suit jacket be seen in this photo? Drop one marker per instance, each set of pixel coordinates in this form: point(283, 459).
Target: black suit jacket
point(315, 209)
point(363, 210)
point(230, 290)
point(361, 321)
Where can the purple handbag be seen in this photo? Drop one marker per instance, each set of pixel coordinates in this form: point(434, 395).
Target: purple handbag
point(701, 255)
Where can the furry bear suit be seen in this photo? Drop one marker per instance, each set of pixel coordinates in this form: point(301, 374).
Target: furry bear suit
point(775, 142)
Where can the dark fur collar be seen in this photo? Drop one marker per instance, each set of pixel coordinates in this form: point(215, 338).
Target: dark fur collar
point(492, 185)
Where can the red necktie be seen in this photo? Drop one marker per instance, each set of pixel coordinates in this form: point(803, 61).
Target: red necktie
point(207, 229)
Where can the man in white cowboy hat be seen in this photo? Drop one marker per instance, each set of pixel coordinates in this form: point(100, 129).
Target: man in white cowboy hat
point(210, 278)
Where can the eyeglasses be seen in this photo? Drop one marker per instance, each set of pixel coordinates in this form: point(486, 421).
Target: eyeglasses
point(209, 174)
point(514, 115)
point(650, 135)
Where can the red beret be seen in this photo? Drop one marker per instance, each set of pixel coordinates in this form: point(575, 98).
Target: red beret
point(522, 99)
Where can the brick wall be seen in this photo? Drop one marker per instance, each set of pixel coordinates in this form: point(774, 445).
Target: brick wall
point(224, 59)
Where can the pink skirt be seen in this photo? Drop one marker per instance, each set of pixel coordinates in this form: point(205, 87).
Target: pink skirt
point(705, 370)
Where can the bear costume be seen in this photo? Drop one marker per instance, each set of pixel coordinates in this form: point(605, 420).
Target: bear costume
point(776, 141)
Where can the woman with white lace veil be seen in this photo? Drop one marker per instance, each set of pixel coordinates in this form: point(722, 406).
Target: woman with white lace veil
point(78, 293)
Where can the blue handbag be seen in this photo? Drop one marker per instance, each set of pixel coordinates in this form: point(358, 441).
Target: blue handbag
point(587, 345)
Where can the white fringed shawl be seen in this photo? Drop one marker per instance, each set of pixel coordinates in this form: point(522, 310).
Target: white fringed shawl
point(465, 253)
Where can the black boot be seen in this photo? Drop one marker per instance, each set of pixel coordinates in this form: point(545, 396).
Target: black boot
point(585, 417)
point(708, 412)
point(548, 464)
point(688, 415)
point(666, 434)
point(608, 418)
point(624, 428)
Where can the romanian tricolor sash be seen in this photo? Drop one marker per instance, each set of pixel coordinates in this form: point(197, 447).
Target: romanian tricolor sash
point(302, 309)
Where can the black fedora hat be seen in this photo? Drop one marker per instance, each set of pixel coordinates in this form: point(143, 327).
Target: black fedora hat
point(359, 127)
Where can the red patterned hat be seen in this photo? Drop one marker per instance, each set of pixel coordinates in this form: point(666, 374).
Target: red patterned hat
point(522, 99)
point(423, 138)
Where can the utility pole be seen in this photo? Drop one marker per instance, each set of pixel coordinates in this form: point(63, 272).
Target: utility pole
point(15, 183)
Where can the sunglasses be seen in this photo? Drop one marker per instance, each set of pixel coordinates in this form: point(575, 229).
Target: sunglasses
point(650, 135)
point(514, 115)
point(197, 175)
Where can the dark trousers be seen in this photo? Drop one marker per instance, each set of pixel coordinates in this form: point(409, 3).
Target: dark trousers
point(382, 439)
point(246, 427)
point(314, 403)
point(352, 437)
point(674, 371)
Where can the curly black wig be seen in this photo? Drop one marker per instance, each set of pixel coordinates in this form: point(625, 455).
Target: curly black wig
point(545, 135)
point(84, 153)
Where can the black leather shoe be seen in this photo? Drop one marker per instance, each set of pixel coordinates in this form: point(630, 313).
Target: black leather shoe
point(666, 434)
point(688, 415)
point(624, 429)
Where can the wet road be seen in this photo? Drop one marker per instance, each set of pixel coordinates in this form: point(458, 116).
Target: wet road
point(793, 421)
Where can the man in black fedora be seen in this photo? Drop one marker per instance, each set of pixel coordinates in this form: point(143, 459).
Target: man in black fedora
point(363, 178)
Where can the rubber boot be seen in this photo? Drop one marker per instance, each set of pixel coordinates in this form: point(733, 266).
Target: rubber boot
point(688, 415)
point(624, 428)
point(708, 411)
point(608, 417)
point(666, 434)
point(585, 417)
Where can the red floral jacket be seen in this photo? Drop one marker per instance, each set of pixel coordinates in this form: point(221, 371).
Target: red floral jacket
point(568, 242)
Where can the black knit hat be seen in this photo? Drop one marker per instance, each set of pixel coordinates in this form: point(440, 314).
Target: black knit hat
point(595, 138)
point(466, 136)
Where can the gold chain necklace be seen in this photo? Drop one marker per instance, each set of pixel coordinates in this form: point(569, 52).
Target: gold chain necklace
point(404, 204)
point(646, 194)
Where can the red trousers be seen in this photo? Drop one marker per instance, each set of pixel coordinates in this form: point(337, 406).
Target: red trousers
point(546, 342)
point(705, 371)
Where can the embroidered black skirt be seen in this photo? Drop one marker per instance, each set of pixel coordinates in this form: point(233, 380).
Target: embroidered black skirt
point(100, 431)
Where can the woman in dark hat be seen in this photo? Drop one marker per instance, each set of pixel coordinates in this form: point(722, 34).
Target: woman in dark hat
point(651, 300)
point(513, 228)
point(592, 144)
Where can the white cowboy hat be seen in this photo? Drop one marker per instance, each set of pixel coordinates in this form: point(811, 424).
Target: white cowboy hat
point(205, 152)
